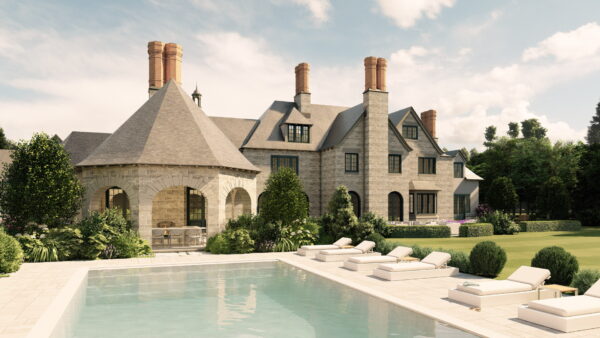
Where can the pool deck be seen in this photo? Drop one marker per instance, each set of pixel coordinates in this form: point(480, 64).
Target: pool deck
point(33, 292)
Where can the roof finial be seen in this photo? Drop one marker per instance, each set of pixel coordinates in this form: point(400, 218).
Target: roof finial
point(196, 96)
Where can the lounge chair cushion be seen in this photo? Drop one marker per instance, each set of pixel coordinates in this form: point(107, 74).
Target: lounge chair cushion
point(494, 287)
point(529, 275)
point(594, 290)
point(400, 251)
point(438, 259)
point(399, 267)
point(343, 241)
point(372, 259)
point(320, 247)
point(567, 306)
point(365, 246)
point(341, 252)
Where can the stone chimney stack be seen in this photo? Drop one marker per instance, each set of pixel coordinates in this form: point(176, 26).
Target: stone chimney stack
point(381, 69)
point(155, 58)
point(302, 97)
point(172, 62)
point(429, 118)
point(376, 131)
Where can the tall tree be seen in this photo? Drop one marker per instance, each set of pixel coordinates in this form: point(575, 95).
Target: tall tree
point(284, 199)
point(490, 135)
point(503, 195)
point(553, 201)
point(586, 198)
point(533, 128)
point(39, 186)
point(513, 129)
point(593, 134)
point(4, 142)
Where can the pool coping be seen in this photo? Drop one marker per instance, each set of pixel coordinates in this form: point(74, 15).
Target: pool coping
point(47, 324)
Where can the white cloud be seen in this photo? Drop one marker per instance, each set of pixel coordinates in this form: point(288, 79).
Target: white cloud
point(406, 13)
point(318, 8)
point(470, 30)
point(576, 44)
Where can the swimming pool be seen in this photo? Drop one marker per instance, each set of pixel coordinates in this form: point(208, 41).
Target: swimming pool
point(265, 299)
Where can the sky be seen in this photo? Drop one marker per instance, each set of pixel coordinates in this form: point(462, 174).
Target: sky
point(83, 65)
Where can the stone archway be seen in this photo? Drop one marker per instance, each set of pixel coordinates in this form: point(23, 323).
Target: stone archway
point(355, 198)
point(395, 207)
point(110, 197)
point(178, 206)
point(237, 203)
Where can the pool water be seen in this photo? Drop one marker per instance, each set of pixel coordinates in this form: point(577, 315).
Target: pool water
point(268, 299)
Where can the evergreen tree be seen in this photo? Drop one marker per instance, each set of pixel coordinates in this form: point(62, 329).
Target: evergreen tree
point(513, 129)
point(284, 199)
point(39, 186)
point(502, 195)
point(593, 134)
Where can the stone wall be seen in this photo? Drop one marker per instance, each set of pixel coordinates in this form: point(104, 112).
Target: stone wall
point(169, 205)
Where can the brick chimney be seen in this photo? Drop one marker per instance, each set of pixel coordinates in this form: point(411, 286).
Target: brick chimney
point(376, 131)
point(155, 58)
point(302, 97)
point(172, 62)
point(429, 118)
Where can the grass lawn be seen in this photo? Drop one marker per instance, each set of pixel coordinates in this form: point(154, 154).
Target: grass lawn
point(521, 248)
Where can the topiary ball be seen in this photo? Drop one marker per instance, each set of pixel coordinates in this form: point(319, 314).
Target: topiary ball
point(562, 265)
point(11, 254)
point(487, 259)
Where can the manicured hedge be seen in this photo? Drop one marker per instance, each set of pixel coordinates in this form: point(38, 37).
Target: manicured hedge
point(540, 226)
point(476, 230)
point(417, 231)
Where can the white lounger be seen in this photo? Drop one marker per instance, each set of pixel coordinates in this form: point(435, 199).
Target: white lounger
point(432, 266)
point(369, 263)
point(363, 249)
point(311, 250)
point(566, 314)
point(520, 287)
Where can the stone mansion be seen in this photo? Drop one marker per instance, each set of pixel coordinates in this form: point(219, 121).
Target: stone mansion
point(171, 162)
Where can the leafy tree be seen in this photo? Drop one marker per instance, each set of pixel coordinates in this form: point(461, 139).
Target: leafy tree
point(586, 196)
point(513, 130)
point(284, 200)
point(533, 128)
point(503, 196)
point(554, 201)
point(490, 135)
point(56, 139)
point(340, 220)
point(39, 186)
point(4, 142)
point(465, 153)
point(593, 134)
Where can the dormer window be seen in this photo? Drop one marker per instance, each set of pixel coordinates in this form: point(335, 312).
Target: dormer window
point(299, 133)
point(410, 132)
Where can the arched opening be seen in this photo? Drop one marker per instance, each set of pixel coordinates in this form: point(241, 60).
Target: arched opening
point(307, 204)
point(259, 204)
point(355, 202)
point(178, 206)
point(237, 203)
point(112, 197)
point(395, 207)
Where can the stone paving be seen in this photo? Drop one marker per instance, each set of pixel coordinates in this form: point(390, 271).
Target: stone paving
point(26, 295)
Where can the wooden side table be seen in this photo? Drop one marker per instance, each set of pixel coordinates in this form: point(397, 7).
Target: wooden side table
point(560, 289)
point(409, 259)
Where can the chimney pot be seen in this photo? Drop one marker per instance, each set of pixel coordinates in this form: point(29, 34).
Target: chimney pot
point(370, 73)
point(155, 56)
point(172, 62)
point(429, 120)
point(302, 70)
point(381, 69)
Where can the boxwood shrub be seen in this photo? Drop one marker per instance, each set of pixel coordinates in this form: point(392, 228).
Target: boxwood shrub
point(417, 231)
point(584, 279)
point(11, 254)
point(560, 225)
point(562, 265)
point(476, 230)
point(487, 259)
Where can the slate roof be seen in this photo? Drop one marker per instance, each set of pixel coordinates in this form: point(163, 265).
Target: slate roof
point(342, 125)
point(398, 116)
point(236, 129)
point(268, 133)
point(80, 144)
point(169, 129)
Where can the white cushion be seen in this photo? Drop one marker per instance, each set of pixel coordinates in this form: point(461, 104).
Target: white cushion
point(529, 275)
point(567, 306)
point(594, 290)
point(320, 247)
point(494, 287)
point(397, 267)
point(438, 259)
point(343, 241)
point(372, 259)
point(365, 246)
point(400, 251)
point(341, 252)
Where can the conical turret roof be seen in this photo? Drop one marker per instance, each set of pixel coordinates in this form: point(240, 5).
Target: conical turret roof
point(169, 129)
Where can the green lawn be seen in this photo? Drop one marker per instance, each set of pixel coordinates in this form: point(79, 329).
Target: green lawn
point(521, 248)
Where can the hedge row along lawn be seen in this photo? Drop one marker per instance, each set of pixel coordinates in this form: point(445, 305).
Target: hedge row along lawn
point(521, 248)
